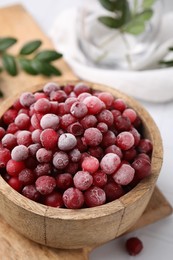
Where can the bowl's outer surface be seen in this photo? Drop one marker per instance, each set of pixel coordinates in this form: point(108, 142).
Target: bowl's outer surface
point(65, 228)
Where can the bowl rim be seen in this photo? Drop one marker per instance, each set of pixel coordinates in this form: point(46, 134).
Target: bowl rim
point(108, 208)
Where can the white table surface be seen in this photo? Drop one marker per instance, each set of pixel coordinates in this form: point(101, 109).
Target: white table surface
point(157, 238)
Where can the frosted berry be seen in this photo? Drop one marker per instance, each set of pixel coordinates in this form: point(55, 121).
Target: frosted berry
point(88, 121)
point(22, 121)
point(2, 132)
point(60, 160)
point(134, 246)
point(26, 176)
point(142, 168)
point(113, 191)
point(43, 169)
point(94, 105)
point(73, 198)
point(119, 104)
point(42, 106)
point(102, 127)
point(96, 151)
point(36, 136)
point(64, 181)
point(67, 120)
point(4, 157)
point(45, 184)
point(114, 149)
point(82, 180)
point(125, 140)
point(9, 116)
point(33, 148)
point(30, 192)
point(49, 138)
point(49, 87)
point(15, 183)
point(13, 167)
point(68, 103)
point(93, 136)
point(94, 196)
point(90, 164)
point(9, 141)
point(50, 121)
point(124, 175)
point(78, 109)
point(130, 113)
point(20, 153)
point(54, 200)
point(99, 179)
point(83, 95)
point(24, 137)
point(122, 123)
point(27, 99)
point(107, 98)
point(109, 138)
point(58, 95)
point(66, 142)
point(35, 120)
point(110, 163)
point(80, 88)
point(106, 117)
point(43, 155)
point(76, 129)
point(75, 155)
point(145, 146)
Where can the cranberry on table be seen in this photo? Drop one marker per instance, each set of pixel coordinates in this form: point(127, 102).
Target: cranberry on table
point(134, 246)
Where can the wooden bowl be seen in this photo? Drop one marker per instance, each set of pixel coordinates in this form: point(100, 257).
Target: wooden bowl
point(65, 228)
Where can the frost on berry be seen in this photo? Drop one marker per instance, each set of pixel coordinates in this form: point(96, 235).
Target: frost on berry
point(94, 196)
point(73, 198)
point(109, 163)
point(20, 153)
point(27, 99)
point(60, 160)
point(124, 175)
point(82, 180)
point(45, 184)
point(66, 142)
point(93, 136)
point(50, 121)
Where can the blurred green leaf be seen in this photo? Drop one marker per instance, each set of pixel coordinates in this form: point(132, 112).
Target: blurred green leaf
point(166, 63)
point(7, 42)
point(171, 49)
point(147, 3)
point(30, 47)
point(54, 70)
point(9, 64)
point(27, 66)
point(109, 5)
point(48, 55)
point(41, 67)
point(110, 21)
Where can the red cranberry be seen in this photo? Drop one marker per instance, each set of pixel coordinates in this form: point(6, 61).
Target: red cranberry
point(125, 140)
point(94, 105)
point(24, 138)
point(106, 117)
point(78, 109)
point(145, 146)
point(9, 116)
point(113, 191)
point(142, 168)
point(134, 246)
point(54, 200)
point(13, 167)
point(67, 120)
point(110, 163)
point(26, 176)
point(93, 136)
point(58, 95)
point(73, 198)
point(88, 121)
point(99, 179)
point(43, 169)
point(60, 160)
point(90, 164)
point(15, 183)
point(49, 87)
point(76, 129)
point(66, 142)
point(45, 184)
point(109, 138)
point(80, 88)
point(64, 181)
point(27, 99)
point(124, 175)
point(42, 106)
point(130, 113)
point(119, 104)
point(49, 139)
point(82, 180)
point(31, 193)
point(9, 141)
point(107, 98)
point(50, 121)
point(43, 155)
point(94, 196)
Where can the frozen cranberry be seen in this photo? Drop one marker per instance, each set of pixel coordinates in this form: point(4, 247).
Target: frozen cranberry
point(125, 140)
point(114, 149)
point(94, 196)
point(50, 86)
point(80, 145)
point(27, 99)
point(4, 157)
point(64, 181)
point(109, 138)
point(15, 183)
point(50, 121)
point(36, 136)
point(54, 200)
point(13, 167)
point(107, 98)
point(90, 164)
point(144, 156)
point(26, 176)
point(73, 198)
point(45, 184)
point(96, 151)
point(80, 88)
point(134, 246)
point(75, 155)
point(106, 117)
point(43, 169)
point(129, 155)
point(12, 128)
point(20, 153)
point(42, 106)
point(24, 137)
point(82, 180)
point(58, 95)
point(31, 193)
point(33, 148)
point(68, 103)
point(17, 105)
point(60, 160)
point(54, 107)
point(43, 155)
point(122, 123)
point(136, 135)
point(124, 175)
point(22, 121)
point(110, 163)
point(67, 120)
point(88, 121)
point(49, 139)
point(31, 163)
point(39, 95)
point(2, 132)
point(66, 142)
point(145, 146)
point(35, 120)
point(72, 167)
point(76, 129)
point(61, 109)
point(94, 105)
point(93, 136)
point(68, 88)
point(113, 191)
point(102, 127)
point(99, 179)
point(142, 168)
point(119, 104)
point(78, 109)
point(130, 113)
point(83, 95)
point(9, 116)
point(9, 141)
point(115, 113)
point(24, 111)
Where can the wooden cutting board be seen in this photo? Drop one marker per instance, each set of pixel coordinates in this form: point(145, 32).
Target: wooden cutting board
point(16, 22)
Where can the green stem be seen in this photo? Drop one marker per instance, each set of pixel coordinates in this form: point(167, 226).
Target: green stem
point(135, 8)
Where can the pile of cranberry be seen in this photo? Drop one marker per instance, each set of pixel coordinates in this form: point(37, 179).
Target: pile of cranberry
point(72, 146)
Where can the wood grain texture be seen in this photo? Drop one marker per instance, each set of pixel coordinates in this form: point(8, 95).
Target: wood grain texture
point(18, 23)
